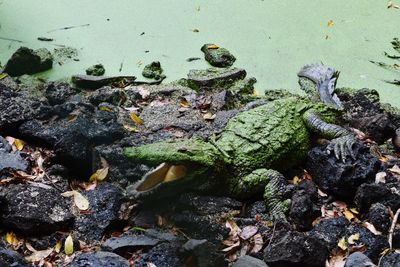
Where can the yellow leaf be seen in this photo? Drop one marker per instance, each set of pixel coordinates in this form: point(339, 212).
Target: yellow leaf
point(69, 245)
point(131, 129)
point(254, 92)
point(68, 194)
point(353, 210)
point(135, 118)
point(353, 238)
point(105, 109)
point(11, 238)
point(3, 75)
point(80, 201)
point(342, 244)
point(384, 252)
point(349, 216)
point(57, 247)
point(270, 224)
point(185, 104)
point(213, 46)
point(99, 175)
point(330, 23)
point(209, 116)
point(19, 144)
point(295, 180)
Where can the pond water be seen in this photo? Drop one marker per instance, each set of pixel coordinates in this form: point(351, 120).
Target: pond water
point(271, 39)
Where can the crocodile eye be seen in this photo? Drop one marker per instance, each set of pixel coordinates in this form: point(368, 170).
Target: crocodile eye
point(162, 174)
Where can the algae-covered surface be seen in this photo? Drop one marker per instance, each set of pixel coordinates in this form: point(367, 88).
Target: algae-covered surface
point(270, 39)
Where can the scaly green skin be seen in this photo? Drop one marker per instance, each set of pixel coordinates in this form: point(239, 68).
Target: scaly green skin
point(242, 158)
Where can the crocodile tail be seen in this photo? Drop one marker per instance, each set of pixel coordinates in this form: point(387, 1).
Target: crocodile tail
point(316, 72)
point(326, 87)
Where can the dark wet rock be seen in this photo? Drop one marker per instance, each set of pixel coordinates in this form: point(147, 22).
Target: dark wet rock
point(64, 54)
point(162, 255)
point(257, 208)
point(358, 259)
point(104, 202)
point(245, 86)
point(129, 241)
point(329, 231)
point(303, 210)
point(15, 107)
point(202, 253)
point(58, 93)
point(9, 82)
point(96, 70)
point(217, 56)
point(396, 140)
point(215, 78)
point(200, 216)
point(28, 61)
point(396, 239)
point(169, 91)
point(108, 95)
point(338, 178)
point(246, 261)
point(34, 210)
point(368, 194)
point(78, 129)
point(375, 244)
point(291, 248)
point(99, 259)
point(363, 111)
point(95, 82)
point(153, 70)
point(391, 260)
point(379, 216)
point(11, 258)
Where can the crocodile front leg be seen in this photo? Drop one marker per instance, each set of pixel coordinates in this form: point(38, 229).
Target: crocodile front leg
point(268, 182)
point(342, 140)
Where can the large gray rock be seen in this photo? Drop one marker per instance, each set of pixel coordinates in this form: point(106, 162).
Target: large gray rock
point(9, 159)
point(99, 259)
point(217, 56)
point(33, 210)
point(248, 261)
point(358, 259)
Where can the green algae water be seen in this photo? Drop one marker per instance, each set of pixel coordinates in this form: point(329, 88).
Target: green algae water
point(270, 39)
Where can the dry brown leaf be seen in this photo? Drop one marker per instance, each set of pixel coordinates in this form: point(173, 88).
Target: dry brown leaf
point(395, 169)
point(235, 245)
point(257, 242)
point(99, 175)
point(144, 93)
point(58, 246)
point(79, 200)
point(248, 232)
point(195, 30)
point(380, 177)
point(337, 260)
point(330, 23)
point(131, 129)
point(322, 194)
point(39, 255)
point(209, 116)
point(371, 228)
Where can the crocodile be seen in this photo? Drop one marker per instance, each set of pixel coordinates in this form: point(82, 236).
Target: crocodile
point(247, 157)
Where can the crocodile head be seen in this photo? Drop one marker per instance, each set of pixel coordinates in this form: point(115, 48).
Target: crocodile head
point(178, 165)
point(319, 82)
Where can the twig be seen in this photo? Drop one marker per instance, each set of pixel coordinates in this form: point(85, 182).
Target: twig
point(69, 27)
point(10, 39)
point(394, 222)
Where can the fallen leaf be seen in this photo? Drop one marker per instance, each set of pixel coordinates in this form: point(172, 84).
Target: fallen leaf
point(380, 177)
point(184, 104)
point(353, 238)
point(248, 232)
point(209, 116)
point(99, 175)
point(79, 200)
point(135, 118)
point(257, 242)
point(195, 30)
point(348, 214)
point(105, 109)
point(69, 245)
point(213, 46)
point(144, 93)
point(354, 210)
point(11, 238)
point(330, 23)
point(235, 245)
point(296, 180)
point(371, 228)
point(337, 259)
point(131, 129)
point(57, 247)
point(3, 75)
point(389, 4)
point(395, 169)
point(39, 255)
point(384, 252)
point(342, 244)
point(322, 194)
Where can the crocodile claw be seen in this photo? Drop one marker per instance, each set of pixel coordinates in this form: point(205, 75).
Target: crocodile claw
point(342, 147)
